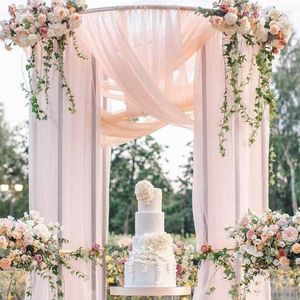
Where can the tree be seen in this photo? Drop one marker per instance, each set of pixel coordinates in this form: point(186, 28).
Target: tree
point(137, 160)
point(179, 213)
point(286, 131)
point(13, 168)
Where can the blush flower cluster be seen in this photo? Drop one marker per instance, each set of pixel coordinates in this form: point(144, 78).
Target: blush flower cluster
point(35, 22)
point(30, 245)
point(45, 31)
point(264, 245)
point(266, 27)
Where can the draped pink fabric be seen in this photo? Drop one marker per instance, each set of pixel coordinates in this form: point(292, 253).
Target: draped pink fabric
point(147, 68)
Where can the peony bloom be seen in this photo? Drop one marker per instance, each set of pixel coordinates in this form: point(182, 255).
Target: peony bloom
point(5, 264)
point(296, 248)
point(42, 232)
point(290, 234)
point(230, 18)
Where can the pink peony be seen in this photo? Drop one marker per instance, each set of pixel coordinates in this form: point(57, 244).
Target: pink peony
point(290, 234)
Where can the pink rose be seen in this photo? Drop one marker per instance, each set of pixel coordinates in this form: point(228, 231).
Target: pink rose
point(274, 29)
point(5, 264)
point(284, 262)
point(38, 258)
point(250, 234)
point(224, 6)
point(290, 234)
point(282, 222)
point(265, 236)
point(44, 31)
point(179, 269)
point(205, 248)
point(12, 10)
point(96, 247)
point(282, 252)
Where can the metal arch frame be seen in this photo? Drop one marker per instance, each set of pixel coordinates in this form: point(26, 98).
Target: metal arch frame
point(132, 7)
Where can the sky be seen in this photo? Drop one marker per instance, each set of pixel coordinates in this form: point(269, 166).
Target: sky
point(12, 74)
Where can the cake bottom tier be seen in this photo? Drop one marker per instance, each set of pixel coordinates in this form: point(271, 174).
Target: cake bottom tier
point(151, 275)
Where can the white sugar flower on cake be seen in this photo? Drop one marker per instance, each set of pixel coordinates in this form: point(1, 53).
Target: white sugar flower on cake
point(144, 191)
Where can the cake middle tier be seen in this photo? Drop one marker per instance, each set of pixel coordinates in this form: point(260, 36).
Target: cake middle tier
point(149, 222)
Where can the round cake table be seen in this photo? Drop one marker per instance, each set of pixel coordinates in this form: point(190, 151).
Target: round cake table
point(126, 291)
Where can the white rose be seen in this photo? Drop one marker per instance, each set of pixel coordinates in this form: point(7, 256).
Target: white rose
point(42, 19)
point(57, 30)
point(275, 14)
point(42, 232)
point(52, 17)
point(230, 18)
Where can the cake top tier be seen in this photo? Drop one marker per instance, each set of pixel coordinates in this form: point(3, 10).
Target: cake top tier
point(149, 198)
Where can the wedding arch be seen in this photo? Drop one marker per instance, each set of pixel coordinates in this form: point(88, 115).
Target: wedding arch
point(147, 66)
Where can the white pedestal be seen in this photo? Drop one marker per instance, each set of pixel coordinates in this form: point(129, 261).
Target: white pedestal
point(159, 291)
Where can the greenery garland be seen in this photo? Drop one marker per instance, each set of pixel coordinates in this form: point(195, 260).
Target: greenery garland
point(267, 31)
point(50, 28)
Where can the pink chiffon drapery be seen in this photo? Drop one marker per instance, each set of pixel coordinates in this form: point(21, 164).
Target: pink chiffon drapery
point(147, 68)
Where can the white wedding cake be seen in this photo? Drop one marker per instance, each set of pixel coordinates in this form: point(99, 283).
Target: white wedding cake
point(152, 261)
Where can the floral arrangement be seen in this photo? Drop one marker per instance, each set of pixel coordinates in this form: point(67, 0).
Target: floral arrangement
point(51, 27)
point(29, 245)
point(268, 31)
point(264, 245)
point(144, 191)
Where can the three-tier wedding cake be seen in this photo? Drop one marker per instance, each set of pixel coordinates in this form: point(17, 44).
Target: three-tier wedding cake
point(152, 261)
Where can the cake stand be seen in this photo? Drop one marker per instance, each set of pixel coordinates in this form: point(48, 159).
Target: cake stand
point(150, 291)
